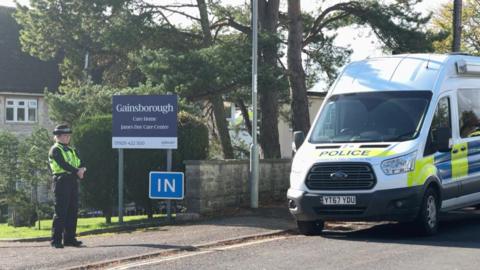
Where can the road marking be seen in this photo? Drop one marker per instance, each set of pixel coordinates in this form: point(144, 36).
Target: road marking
point(250, 243)
point(193, 253)
point(156, 261)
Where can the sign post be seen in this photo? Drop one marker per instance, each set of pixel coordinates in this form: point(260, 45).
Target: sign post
point(169, 169)
point(120, 185)
point(143, 122)
point(167, 186)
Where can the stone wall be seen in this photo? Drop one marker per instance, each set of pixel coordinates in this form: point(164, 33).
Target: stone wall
point(217, 185)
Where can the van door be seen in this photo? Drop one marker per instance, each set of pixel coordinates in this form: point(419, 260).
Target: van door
point(443, 160)
point(467, 145)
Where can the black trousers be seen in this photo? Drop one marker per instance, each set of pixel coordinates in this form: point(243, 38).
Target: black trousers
point(65, 188)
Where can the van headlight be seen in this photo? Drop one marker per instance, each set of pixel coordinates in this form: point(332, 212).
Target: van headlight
point(399, 165)
point(296, 171)
point(297, 174)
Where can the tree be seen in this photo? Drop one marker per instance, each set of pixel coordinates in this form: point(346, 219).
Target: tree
point(216, 100)
point(33, 165)
point(470, 38)
point(296, 73)
point(9, 145)
point(397, 26)
point(272, 82)
point(270, 87)
point(23, 167)
point(200, 74)
point(199, 77)
point(106, 30)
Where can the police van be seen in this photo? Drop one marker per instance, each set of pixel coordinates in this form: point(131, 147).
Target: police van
point(396, 139)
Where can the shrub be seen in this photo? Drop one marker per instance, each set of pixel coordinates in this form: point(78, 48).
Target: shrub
point(93, 139)
point(192, 144)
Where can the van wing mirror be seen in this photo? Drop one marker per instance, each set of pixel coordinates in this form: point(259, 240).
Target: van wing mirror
point(441, 139)
point(298, 138)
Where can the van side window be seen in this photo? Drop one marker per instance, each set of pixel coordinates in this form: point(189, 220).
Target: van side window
point(441, 119)
point(469, 112)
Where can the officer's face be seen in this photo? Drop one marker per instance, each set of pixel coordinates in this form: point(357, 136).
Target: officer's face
point(64, 138)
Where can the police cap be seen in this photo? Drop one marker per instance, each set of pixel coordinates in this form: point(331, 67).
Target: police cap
point(62, 129)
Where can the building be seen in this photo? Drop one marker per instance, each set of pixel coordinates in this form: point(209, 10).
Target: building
point(240, 135)
point(315, 100)
point(23, 80)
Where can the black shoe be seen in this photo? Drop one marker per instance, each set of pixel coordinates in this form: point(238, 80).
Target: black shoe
point(74, 243)
point(56, 245)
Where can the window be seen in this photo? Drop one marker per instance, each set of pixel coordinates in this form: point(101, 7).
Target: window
point(469, 112)
point(371, 117)
point(441, 119)
point(21, 110)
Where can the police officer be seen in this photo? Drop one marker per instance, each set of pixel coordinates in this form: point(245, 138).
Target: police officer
point(66, 168)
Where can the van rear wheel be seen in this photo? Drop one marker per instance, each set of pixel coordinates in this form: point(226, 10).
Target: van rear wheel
point(314, 227)
point(428, 218)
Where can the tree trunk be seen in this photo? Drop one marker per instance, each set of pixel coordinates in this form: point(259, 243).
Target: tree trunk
point(296, 74)
point(246, 116)
point(217, 100)
point(222, 127)
point(108, 215)
point(269, 137)
point(149, 210)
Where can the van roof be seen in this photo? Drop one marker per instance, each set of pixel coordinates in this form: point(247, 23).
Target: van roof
point(398, 72)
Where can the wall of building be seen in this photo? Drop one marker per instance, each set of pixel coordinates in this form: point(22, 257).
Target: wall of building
point(217, 185)
point(285, 131)
point(24, 129)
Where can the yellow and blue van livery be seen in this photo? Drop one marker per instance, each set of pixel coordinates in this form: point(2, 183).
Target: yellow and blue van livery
point(397, 138)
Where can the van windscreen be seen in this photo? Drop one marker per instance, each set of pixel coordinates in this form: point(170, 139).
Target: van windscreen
point(371, 117)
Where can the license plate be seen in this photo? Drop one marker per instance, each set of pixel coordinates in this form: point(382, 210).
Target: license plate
point(339, 200)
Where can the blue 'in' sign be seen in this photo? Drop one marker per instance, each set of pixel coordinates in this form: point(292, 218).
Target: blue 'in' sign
point(166, 185)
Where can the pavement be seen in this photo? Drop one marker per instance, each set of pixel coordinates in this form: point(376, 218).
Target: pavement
point(100, 251)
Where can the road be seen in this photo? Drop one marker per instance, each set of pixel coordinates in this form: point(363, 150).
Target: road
point(111, 247)
point(368, 246)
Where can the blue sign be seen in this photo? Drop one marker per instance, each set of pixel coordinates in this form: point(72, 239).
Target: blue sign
point(166, 185)
point(148, 121)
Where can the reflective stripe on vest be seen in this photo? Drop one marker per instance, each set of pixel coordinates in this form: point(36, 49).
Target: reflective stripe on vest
point(69, 156)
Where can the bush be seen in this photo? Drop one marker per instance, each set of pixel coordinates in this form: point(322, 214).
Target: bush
point(22, 211)
point(93, 139)
point(192, 144)
point(193, 140)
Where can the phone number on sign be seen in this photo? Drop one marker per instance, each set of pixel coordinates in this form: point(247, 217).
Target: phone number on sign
point(117, 143)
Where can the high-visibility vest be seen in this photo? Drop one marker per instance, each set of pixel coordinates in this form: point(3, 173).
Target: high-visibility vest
point(69, 156)
point(474, 134)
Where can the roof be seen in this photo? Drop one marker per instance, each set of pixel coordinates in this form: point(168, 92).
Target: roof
point(19, 72)
point(397, 72)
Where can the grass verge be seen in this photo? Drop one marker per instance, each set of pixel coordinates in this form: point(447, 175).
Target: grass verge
point(83, 225)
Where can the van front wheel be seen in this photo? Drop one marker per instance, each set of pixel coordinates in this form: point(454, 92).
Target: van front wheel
point(428, 218)
point(310, 227)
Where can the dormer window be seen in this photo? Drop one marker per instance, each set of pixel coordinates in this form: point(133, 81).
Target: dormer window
point(21, 110)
